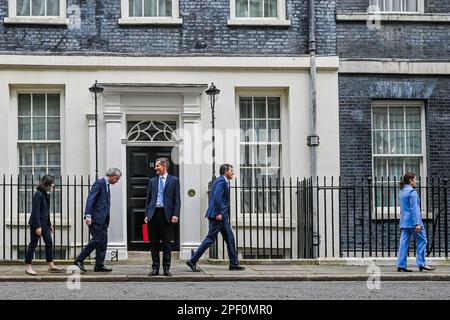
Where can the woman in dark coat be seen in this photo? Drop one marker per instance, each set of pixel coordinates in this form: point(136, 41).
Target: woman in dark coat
point(40, 225)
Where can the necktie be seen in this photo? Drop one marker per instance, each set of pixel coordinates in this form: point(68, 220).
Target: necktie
point(161, 191)
point(109, 192)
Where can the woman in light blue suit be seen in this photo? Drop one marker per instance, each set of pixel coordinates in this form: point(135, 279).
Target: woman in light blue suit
point(411, 224)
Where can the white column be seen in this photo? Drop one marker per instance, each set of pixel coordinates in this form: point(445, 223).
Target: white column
point(117, 236)
point(190, 174)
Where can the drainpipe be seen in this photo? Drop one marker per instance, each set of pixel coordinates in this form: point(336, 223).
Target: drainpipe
point(313, 138)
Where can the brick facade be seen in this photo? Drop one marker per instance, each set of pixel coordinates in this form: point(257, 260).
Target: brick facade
point(204, 32)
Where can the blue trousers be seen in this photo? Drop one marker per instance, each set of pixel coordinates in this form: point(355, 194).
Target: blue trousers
point(421, 246)
point(216, 226)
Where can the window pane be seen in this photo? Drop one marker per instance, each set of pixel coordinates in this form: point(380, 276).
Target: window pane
point(55, 172)
point(24, 128)
point(53, 104)
point(396, 119)
point(27, 171)
point(411, 5)
point(38, 104)
point(273, 156)
point(135, 9)
point(260, 108)
point(241, 8)
point(53, 7)
point(37, 7)
point(25, 155)
point(247, 176)
point(24, 103)
point(247, 131)
point(245, 108)
point(54, 155)
point(38, 128)
point(396, 5)
point(260, 155)
point(397, 142)
point(379, 168)
point(260, 130)
point(23, 7)
point(413, 165)
point(256, 8)
point(274, 107)
point(388, 5)
point(246, 157)
point(413, 142)
point(380, 143)
point(379, 118)
point(150, 8)
point(53, 128)
point(165, 8)
point(270, 8)
point(274, 130)
point(396, 168)
point(413, 118)
point(40, 155)
point(39, 172)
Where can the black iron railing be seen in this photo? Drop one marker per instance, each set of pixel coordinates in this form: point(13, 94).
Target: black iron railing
point(331, 217)
point(271, 218)
point(67, 204)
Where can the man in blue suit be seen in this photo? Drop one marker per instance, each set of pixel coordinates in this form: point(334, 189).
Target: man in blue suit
point(97, 217)
point(218, 214)
point(162, 210)
point(411, 224)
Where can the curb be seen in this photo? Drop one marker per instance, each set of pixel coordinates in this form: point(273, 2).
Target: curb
point(234, 278)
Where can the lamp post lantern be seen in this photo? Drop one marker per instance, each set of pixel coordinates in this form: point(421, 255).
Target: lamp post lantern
point(212, 93)
point(96, 89)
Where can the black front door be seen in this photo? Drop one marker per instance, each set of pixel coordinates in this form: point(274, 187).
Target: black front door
point(141, 166)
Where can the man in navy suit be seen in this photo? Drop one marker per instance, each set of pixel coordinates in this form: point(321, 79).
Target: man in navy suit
point(162, 210)
point(218, 214)
point(97, 217)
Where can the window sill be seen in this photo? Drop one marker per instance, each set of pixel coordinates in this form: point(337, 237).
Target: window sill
point(37, 20)
point(148, 20)
point(395, 214)
point(259, 22)
point(405, 17)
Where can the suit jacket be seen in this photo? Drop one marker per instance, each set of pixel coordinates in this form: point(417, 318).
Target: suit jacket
point(171, 196)
point(409, 208)
point(40, 211)
point(98, 203)
point(219, 201)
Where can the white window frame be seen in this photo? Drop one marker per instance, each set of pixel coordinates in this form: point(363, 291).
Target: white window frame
point(420, 8)
point(280, 20)
point(381, 212)
point(13, 18)
point(125, 18)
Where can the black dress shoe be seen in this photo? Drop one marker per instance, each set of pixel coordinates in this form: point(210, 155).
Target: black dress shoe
point(102, 269)
point(400, 269)
point(427, 268)
point(167, 273)
point(193, 266)
point(80, 265)
point(238, 267)
point(154, 272)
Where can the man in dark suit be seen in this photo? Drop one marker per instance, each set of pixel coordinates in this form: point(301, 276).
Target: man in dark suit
point(218, 214)
point(97, 217)
point(162, 210)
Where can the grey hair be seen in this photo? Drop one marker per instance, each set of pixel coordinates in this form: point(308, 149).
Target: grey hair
point(114, 172)
point(164, 162)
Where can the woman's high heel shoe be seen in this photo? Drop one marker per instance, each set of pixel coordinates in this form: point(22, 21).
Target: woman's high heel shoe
point(400, 269)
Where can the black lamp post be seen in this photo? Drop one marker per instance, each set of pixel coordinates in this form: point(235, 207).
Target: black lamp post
point(212, 93)
point(96, 89)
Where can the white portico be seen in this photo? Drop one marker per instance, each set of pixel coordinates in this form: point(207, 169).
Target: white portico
point(154, 105)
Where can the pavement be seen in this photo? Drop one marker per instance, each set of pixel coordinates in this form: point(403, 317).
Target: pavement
point(213, 270)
